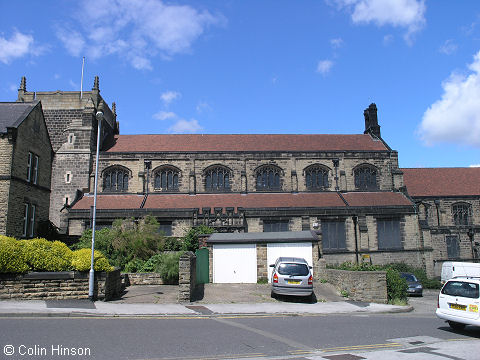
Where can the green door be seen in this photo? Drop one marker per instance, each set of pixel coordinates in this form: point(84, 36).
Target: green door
point(202, 265)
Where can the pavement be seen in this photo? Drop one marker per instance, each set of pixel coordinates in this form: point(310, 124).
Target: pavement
point(213, 300)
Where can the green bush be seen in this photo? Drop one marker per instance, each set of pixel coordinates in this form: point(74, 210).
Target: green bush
point(45, 255)
point(134, 266)
point(152, 264)
point(420, 274)
point(12, 256)
point(396, 286)
point(190, 240)
point(168, 267)
point(81, 261)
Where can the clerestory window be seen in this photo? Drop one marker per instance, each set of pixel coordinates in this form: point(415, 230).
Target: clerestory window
point(115, 179)
point(461, 213)
point(217, 179)
point(365, 178)
point(316, 177)
point(268, 178)
point(166, 179)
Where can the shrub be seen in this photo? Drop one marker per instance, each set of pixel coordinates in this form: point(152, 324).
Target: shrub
point(168, 267)
point(152, 264)
point(81, 261)
point(190, 240)
point(396, 286)
point(12, 256)
point(134, 265)
point(44, 255)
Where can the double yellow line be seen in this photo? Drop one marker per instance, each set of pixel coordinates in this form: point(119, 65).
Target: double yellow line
point(349, 348)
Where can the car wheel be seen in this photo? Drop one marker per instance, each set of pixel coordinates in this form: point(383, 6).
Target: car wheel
point(273, 295)
point(456, 326)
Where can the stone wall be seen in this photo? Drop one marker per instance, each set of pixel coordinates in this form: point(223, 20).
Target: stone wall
point(186, 277)
point(59, 285)
point(143, 279)
point(370, 286)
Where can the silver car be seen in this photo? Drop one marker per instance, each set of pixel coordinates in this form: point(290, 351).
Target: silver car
point(291, 276)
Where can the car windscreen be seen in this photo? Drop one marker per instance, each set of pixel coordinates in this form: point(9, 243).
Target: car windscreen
point(293, 269)
point(461, 288)
point(409, 277)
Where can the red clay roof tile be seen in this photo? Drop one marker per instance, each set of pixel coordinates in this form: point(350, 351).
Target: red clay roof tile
point(252, 142)
point(442, 181)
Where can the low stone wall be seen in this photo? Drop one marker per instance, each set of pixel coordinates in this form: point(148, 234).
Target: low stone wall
point(187, 274)
point(60, 285)
point(369, 286)
point(143, 279)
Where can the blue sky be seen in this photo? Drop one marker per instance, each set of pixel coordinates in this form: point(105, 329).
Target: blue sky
point(249, 66)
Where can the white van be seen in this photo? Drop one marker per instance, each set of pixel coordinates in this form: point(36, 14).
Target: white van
point(451, 269)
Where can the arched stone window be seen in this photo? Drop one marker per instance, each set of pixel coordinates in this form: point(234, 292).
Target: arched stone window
point(165, 178)
point(365, 177)
point(316, 177)
point(461, 213)
point(217, 178)
point(115, 179)
point(268, 178)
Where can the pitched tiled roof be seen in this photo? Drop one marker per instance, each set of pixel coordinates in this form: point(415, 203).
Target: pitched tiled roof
point(13, 113)
point(253, 142)
point(442, 181)
point(248, 201)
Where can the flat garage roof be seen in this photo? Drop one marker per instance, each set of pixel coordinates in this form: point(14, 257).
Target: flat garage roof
point(263, 237)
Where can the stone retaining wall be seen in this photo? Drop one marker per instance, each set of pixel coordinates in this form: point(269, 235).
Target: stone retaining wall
point(369, 286)
point(60, 285)
point(187, 274)
point(143, 279)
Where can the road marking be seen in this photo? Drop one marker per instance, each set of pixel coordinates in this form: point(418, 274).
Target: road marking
point(278, 338)
point(219, 357)
point(349, 348)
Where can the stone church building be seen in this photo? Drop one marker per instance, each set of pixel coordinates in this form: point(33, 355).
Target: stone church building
point(348, 188)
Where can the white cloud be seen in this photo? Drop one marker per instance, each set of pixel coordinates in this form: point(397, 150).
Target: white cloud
point(183, 126)
point(475, 165)
point(448, 47)
point(387, 39)
point(17, 46)
point(203, 106)
point(164, 115)
point(324, 66)
point(169, 96)
point(408, 14)
point(336, 43)
point(455, 118)
point(135, 30)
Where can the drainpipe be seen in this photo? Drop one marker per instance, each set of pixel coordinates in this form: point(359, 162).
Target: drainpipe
point(355, 219)
point(335, 164)
point(437, 203)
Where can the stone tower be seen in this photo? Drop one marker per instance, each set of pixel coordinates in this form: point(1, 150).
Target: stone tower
point(72, 127)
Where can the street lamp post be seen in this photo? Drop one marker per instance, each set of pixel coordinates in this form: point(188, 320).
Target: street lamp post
point(99, 117)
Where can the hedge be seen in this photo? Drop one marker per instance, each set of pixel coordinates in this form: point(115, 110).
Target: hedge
point(21, 256)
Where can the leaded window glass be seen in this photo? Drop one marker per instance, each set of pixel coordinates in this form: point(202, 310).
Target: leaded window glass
point(316, 178)
point(268, 178)
point(453, 247)
point(275, 225)
point(217, 179)
point(166, 179)
point(366, 178)
point(115, 180)
point(333, 235)
point(461, 214)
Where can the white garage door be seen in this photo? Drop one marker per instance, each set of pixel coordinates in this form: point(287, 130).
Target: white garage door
point(235, 263)
point(301, 250)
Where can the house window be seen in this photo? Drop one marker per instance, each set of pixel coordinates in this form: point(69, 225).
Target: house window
point(333, 235)
point(461, 214)
point(32, 168)
point(453, 247)
point(365, 178)
point(115, 180)
point(316, 178)
point(268, 178)
point(388, 234)
point(166, 179)
point(217, 179)
point(275, 225)
point(28, 220)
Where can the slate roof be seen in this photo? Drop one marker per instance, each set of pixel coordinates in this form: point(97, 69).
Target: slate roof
point(248, 201)
point(270, 237)
point(13, 113)
point(436, 182)
point(244, 143)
